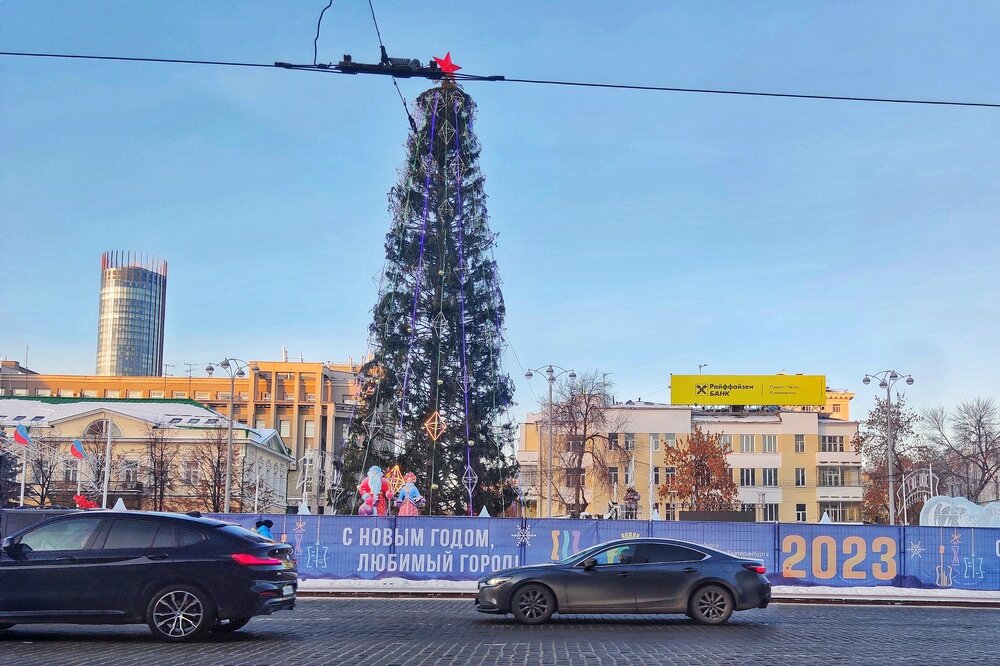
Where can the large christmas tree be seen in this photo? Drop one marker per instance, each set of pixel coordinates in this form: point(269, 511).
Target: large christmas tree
point(433, 394)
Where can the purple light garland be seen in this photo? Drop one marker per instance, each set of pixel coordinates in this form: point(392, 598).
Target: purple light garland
point(461, 299)
point(420, 261)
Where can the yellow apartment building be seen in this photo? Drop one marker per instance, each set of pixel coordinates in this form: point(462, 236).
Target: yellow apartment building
point(309, 404)
point(789, 465)
point(192, 437)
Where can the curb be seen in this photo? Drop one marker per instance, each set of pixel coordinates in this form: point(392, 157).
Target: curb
point(791, 599)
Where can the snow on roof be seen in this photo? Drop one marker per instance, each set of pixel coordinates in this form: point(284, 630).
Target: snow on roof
point(53, 410)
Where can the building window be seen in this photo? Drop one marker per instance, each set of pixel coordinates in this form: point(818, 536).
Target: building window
point(180, 394)
point(71, 470)
point(89, 393)
point(748, 477)
point(630, 441)
point(770, 443)
point(836, 410)
point(259, 424)
point(244, 395)
point(831, 476)
point(831, 444)
point(290, 397)
point(628, 476)
point(130, 472)
point(800, 513)
point(310, 428)
point(749, 508)
point(654, 441)
point(612, 440)
point(670, 473)
point(110, 393)
point(310, 397)
point(577, 478)
point(574, 444)
point(670, 440)
point(839, 512)
point(613, 476)
point(156, 395)
point(43, 393)
point(800, 443)
point(201, 395)
point(189, 472)
point(746, 443)
point(727, 443)
point(527, 479)
point(770, 513)
point(285, 428)
point(224, 395)
point(65, 393)
point(132, 393)
point(800, 476)
point(769, 476)
point(656, 476)
point(669, 511)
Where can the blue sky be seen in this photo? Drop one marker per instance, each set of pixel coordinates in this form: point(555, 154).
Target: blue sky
point(640, 233)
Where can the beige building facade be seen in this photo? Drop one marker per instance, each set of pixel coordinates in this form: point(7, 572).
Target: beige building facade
point(192, 438)
point(309, 404)
point(789, 466)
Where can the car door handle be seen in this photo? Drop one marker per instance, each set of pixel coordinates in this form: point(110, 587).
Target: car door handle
point(689, 570)
point(161, 556)
point(623, 574)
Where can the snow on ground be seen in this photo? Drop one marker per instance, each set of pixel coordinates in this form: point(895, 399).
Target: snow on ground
point(420, 587)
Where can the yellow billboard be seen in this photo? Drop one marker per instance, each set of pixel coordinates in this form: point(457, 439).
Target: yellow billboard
point(798, 390)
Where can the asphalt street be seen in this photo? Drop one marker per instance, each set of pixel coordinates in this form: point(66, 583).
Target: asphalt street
point(379, 632)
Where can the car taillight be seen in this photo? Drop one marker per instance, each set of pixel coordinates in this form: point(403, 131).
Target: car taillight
point(249, 560)
point(756, 568)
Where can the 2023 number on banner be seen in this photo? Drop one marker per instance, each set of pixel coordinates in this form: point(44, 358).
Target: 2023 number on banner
point(851, 557)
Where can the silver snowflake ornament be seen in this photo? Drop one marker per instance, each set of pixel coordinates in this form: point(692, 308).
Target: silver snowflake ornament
point(916, 550)
point(523, 536)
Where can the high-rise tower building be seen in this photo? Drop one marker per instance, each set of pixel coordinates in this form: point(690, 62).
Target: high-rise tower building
point(130, 325)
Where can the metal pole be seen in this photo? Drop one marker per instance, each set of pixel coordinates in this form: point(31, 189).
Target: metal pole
point(888, 452)
point(650, 445)
point(229, 443)
point(551, 381)
point(24, 471)
point(107, 467)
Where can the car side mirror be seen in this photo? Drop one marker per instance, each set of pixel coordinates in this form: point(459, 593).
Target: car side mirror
point(8, 546)
point(589, 563)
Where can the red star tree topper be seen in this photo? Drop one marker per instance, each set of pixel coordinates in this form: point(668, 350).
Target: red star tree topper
point(446, 65)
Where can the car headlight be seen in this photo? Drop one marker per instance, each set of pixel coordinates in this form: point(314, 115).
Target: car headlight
point(496, 580)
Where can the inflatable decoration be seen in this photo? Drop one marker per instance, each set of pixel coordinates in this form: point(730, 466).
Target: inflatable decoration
point(375, 493)
point(408, 499)
point(83, 503)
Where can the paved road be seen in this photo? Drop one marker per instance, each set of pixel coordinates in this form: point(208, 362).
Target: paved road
point(379, 632)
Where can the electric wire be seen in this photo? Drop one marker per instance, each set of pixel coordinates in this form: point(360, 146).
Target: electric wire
point(385, 61)
point(330, 69)
point(319, 22)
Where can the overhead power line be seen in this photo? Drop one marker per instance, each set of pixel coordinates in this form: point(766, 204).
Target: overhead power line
point(401, 71)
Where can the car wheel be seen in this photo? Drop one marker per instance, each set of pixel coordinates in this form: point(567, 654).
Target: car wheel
point(229, 626)
point(711, 604)
point(179, 613)
point(6, 625)
point(532, 604)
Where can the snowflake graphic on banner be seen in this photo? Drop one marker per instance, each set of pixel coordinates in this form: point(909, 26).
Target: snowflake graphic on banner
point(523, 536)
point(916, 550)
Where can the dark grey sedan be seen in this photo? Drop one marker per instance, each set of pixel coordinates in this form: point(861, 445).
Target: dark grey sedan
point(630, 576)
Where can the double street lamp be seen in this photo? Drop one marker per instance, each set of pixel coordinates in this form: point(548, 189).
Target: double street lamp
point(888, 379)
point(233, 367)
point(550, 376)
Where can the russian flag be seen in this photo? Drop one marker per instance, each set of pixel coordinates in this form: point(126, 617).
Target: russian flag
point(22, 437)
point(78, 451)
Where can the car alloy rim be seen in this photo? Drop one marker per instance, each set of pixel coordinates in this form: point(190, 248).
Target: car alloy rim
point(532, 604)
point(712, 604)
point(178, 614)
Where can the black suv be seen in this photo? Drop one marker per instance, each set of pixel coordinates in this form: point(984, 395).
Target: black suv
point(183, 575)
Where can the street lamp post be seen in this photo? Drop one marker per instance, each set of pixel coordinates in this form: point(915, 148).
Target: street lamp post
point(550, 376)
point(233, 367)
point(887, 379)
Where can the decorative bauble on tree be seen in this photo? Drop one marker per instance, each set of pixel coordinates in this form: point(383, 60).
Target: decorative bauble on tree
point(433, 396)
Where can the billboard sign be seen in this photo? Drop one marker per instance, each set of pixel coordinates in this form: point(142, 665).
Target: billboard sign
point(798, 390)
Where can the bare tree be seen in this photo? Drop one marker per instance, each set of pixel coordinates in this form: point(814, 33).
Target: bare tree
point(970, 439)
point(209, 464)
point(158, 466)
point(582, 418)
point(44, 461)
point(872, 442)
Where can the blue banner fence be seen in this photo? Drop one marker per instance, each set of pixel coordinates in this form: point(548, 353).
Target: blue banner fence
point(464, 549)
